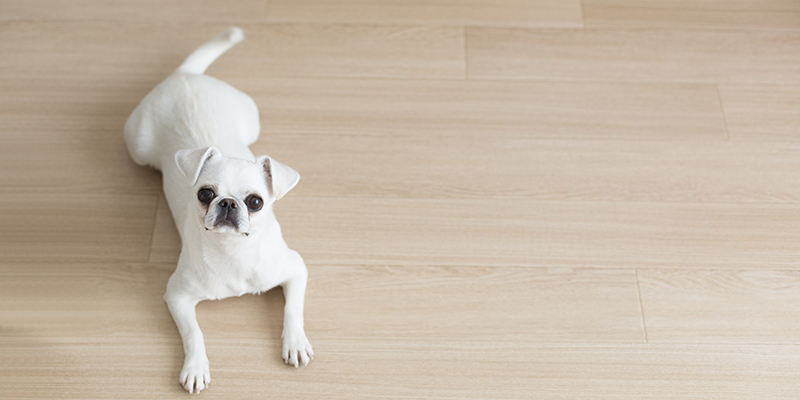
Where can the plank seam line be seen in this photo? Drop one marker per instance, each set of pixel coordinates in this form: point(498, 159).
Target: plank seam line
point(641, 307)
point(722, 113)
point(466, 52)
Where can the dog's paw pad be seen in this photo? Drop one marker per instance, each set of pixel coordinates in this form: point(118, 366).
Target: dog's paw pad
point(296, 349)
point(195, 376)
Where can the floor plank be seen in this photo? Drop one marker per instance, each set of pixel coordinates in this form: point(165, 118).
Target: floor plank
point(391, 303)
point(66, 135)
point(59, 227)
point(438, 12)
point(105, 50)
point(166, 244)
point(86, 160)
point(693, 14)
point(172, 11)
point(314, 50)
point(507, 166)
point(166, 239)
point(122, 300)
point(99, 49)
point(762, 112)
point(533, 233)
point(715, 306)
point(391, 231)
point(496, 199)
point(544, 110)
point(77, 369)
point(708, 56)
point(474, 304)
point(85, 300)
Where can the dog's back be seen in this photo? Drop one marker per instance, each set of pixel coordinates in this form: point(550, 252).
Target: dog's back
point(190, 110)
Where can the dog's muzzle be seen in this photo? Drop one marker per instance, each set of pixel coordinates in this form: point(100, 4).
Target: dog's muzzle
point(227, 213)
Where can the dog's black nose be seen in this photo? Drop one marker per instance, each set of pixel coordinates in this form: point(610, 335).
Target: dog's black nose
point(225, 203)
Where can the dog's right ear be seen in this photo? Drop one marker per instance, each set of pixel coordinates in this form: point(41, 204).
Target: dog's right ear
point(280, 178)
point(191, 162)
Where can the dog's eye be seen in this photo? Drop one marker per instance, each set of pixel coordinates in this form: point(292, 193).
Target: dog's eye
point(254, 203)
point(206, 195)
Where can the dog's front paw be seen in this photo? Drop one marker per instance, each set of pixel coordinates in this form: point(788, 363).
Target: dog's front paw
point(195, 375)
point(296, 348)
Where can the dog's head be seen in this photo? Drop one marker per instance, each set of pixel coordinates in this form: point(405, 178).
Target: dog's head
point(234, 195)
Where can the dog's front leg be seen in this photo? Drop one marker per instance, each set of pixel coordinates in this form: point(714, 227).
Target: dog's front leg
point(195, 375)
point(296, 348)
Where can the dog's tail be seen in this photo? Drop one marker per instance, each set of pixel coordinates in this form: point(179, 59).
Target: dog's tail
point(201, 59)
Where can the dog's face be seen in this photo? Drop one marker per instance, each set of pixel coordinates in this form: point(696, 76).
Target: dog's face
point(234, 196)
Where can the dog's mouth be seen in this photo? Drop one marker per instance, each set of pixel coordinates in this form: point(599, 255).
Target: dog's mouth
point(225, 224)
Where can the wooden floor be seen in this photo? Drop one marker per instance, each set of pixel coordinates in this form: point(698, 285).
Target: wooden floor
point(501, 199)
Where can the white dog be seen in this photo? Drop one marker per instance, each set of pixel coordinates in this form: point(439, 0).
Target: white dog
point(196, 129)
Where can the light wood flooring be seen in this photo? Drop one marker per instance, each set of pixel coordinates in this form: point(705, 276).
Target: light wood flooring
point(500, 199)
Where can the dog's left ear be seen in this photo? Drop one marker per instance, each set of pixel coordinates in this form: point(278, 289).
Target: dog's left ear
point(280, 178)
point(191, 162)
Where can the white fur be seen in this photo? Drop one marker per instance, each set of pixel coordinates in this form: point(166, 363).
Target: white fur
point(196, 129)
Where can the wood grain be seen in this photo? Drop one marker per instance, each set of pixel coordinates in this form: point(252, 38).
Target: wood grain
point(366, 369)
point(84, 300)
point(542, 110)
point(171, 11)
point(537, 233)
point(65, 135)
point(68, 228)
point(716, 306)
point(634, 55)
point(468, 304)
point(106, 50)
point(100, 49)
point(391, 303)
point(122, 300)
point(365, 51)
point(437, 12)
point(693, 14)
point(496, 202)
point(510, 166)
point(762, 112)
point(392, 231)
point(84, 160)
point(166, 240)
